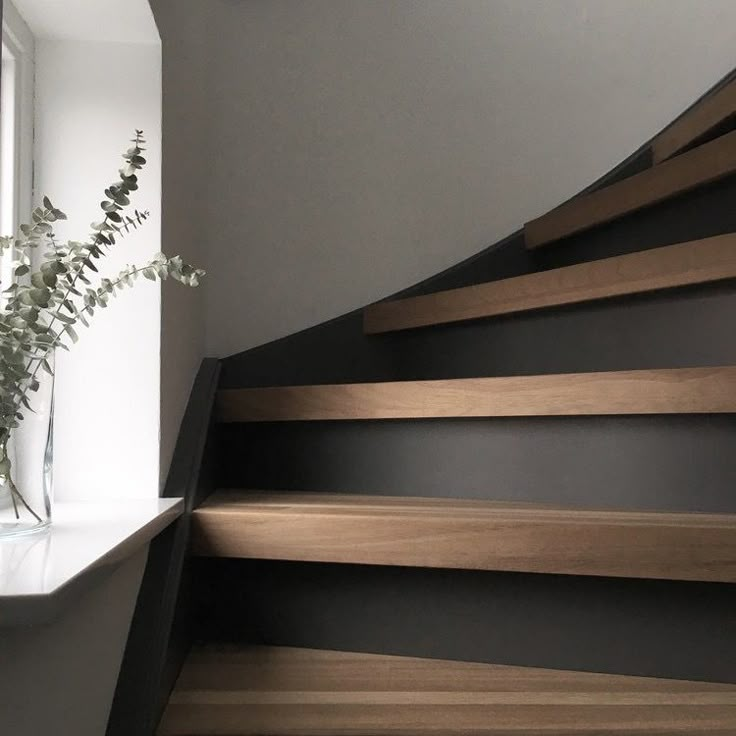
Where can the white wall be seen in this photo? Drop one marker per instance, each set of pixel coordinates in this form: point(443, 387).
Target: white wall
point(59, 679)
point(357, 147)
point(90, 98)
point(119, 21)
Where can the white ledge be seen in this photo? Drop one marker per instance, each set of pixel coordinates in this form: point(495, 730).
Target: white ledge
point(40, 573)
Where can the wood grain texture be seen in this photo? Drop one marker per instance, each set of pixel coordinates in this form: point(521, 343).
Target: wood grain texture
point(696, 262)
point(460, 534)
point(665, 391)
point(698, 167)
point(702, 117)
point(229, 691)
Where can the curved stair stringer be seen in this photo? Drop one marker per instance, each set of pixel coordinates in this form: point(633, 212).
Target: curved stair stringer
point(337, 350)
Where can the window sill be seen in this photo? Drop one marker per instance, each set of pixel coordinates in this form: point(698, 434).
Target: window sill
point(40, 574)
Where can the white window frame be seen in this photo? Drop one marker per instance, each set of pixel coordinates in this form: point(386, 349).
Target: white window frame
point(16, 126)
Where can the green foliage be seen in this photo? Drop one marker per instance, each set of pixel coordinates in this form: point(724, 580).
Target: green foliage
point(44, 307)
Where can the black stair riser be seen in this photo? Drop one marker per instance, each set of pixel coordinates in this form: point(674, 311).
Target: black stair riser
point(650, 628)
point(683, 463)
point(338, 351)
point(676, 329)
point(723, 128)
point(700, 213)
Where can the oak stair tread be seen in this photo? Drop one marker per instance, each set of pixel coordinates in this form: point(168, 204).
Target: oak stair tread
point(701, 166)
point(466, 534)
point(280, 691)
point(685, 264)
point(703, 117)
point(709, 390)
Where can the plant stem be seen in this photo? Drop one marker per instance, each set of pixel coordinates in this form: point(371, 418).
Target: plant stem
point(14, 490)
point(13, 498)
point(15, 494)
point(40, 358)
point(47, 348)
point(54, 343)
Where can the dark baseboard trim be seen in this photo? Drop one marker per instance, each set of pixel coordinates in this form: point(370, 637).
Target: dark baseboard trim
point(160, 633)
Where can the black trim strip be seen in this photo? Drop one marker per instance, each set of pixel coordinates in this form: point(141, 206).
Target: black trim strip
point(160, 633)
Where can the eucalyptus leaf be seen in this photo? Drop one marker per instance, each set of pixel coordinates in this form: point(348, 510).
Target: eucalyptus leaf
point(41, 313)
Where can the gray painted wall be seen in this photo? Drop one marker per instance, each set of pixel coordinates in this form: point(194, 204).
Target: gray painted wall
point(353, 147)
point(320, 155)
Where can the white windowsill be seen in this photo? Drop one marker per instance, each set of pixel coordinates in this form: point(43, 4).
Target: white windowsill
point(40, 573)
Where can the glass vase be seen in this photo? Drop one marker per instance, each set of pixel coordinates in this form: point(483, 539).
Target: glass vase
point(26, 465)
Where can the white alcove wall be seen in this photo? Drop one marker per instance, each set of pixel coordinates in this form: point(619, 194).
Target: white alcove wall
point(98, 78)
point(90, 97)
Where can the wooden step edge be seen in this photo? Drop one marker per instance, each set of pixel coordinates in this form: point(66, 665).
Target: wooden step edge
point(704, 116)
point(684, 264)
point(710, 390)
point(281, 691)
point(477, 535)
point(702, 165)
point(217, 667)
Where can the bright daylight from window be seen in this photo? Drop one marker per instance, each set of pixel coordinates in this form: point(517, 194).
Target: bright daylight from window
point(7, 154)
point(16, 128)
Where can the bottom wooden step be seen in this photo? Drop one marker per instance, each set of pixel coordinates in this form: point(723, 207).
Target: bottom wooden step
point(273, 691)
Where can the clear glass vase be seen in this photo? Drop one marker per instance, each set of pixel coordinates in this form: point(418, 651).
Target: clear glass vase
point(26, 465)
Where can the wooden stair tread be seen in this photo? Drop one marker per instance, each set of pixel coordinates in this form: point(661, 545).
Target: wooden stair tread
point(701, 118)
point(696, 262)
point(251, 691)
point(702, 165)
point(466, 534)
point(663, 391)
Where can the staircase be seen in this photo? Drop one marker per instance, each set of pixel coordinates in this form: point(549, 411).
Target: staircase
point(501, 503)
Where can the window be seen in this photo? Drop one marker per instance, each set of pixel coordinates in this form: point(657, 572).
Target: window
point(16, 127)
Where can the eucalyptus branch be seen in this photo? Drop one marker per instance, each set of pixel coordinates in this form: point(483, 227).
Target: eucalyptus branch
point(46, 307)
point(103, 233)
point(161, 267)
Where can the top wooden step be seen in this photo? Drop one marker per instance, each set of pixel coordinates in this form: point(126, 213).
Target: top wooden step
point(702, 165)
point(703, 117)
point(684, 264)
point(251, 691)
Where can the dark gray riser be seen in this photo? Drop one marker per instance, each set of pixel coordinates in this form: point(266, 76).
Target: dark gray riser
point(698, 214)
point(684, 463)
point(675, 329)
point(334, 352)
point(725, 126)
point(659, 629)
